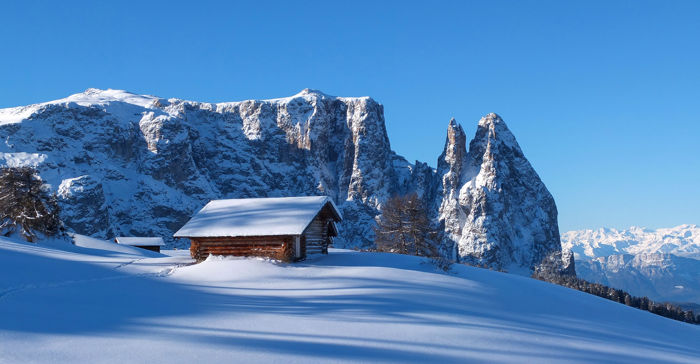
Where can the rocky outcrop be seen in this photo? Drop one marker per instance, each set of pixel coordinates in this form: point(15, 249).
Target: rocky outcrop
point(83, 205)
point(451, 165)
point(141, 165)
point(568, 263)
point(494, 204)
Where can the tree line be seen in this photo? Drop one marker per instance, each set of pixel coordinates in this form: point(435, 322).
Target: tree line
point(664, 309)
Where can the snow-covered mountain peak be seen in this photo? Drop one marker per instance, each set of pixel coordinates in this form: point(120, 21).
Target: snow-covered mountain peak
point(307, 94)
point(119, 102)
point(454, 129)
point(313, 92)
point(688, 226)
point(93, 91)
point(659, 263)
point(94, 96)
point(682, 240)
point(489, 119)
point(455, 149)
point(479, 188)
point(493, 130)
point(493, 121)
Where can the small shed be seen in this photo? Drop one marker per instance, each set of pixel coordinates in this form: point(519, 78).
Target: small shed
point(152, 244)
point(286, 228)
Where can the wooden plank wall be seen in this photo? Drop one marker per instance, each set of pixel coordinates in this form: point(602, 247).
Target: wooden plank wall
point(149, 247)
point(316, 235)
point(259, 246)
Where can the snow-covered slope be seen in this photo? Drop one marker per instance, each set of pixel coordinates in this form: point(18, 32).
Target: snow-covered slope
point(63, 304)
point(662, 264)
point(27, 266)
point(139, 165)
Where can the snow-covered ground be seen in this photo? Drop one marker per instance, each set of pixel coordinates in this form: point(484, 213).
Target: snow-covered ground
point(98, 302)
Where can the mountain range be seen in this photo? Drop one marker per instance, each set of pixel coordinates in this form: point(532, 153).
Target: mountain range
point(663, 264)
point(141, 165)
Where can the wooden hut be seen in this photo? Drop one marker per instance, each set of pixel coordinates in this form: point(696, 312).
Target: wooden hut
point(285, 228)
point(152, 244)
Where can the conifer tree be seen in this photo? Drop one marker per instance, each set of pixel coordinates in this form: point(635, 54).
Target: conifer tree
point(25, 205)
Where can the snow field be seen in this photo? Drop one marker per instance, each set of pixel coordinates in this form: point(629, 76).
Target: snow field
point(92, 304)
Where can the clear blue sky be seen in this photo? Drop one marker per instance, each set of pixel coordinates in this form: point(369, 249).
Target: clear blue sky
point(603, 96)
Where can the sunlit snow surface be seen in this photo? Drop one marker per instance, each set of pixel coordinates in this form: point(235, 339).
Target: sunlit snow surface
point(61, 303)
point(139, 241)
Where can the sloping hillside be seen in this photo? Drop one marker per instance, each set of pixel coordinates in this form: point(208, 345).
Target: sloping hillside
point(67, 304)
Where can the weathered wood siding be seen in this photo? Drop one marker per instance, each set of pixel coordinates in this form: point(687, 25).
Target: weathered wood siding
point(258, 246)
point(316, 235)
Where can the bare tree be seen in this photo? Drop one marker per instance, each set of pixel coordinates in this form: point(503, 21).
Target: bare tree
point(404, 227)
point(25, 205)
point(390, 232)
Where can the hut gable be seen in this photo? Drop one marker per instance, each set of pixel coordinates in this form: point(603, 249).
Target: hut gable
point(317, 235)
point(273, 227)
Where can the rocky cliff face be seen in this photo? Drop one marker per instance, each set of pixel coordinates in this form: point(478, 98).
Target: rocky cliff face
point(126, 164)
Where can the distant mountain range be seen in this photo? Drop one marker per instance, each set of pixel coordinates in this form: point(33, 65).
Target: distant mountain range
point(663, 264)
point(141, 165)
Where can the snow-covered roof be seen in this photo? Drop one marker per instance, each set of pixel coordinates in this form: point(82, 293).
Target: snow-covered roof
point(256, 217)
point(138, 240)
